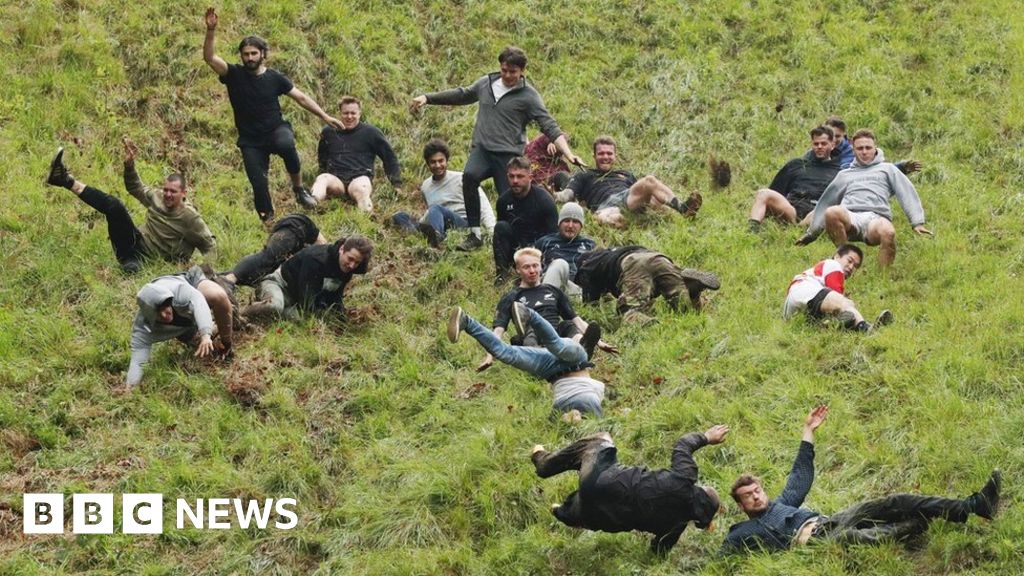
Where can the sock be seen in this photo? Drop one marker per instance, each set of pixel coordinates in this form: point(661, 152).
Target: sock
point(755, 225)
point(676, 205)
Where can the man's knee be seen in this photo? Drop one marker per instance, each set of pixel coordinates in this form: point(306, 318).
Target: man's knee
point(836, 214)
point(649, 181)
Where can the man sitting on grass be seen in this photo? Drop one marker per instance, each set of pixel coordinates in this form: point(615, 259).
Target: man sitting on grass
point(819, 291)
point(179, 306)
point(782, 523)
point(617, 498)
point(607, 191)
point(173, 229)
point(561, 361)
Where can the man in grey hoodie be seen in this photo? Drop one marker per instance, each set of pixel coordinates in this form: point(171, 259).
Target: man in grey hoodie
point(855, 206)
point(179, 306)
point(506, 104)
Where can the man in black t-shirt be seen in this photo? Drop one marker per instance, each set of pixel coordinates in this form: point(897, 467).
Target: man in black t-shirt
point(254, 90)
point(607, 191)
point(551, 303)
point(525, 213)
point(346, 158)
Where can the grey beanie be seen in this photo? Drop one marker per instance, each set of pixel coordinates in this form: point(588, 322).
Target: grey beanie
point(571, 210)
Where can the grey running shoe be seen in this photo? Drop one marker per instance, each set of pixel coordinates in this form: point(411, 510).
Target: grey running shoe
point(456, 323)
point(433, 238)
point(470, 243)
point(520, 316)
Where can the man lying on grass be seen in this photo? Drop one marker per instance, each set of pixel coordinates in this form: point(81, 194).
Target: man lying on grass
point(173, 229)
point(179, 306)
point(289, 235)
point(617, 498)
point(818, 291)
point(782, 523)
point(561, 361)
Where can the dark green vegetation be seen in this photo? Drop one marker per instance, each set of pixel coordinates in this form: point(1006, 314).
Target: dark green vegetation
point(400, 461)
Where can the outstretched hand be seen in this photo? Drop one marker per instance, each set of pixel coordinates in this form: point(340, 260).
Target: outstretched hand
point(815, 418)
point(417, 103)
point(920, 229)
point(131, 151)
point(911, 166)
point(805, 239)
point(576, 161)
point(487, 363)
point(602, 345)
point(205, 346)
point(716, 434)
point(334, 122)
point(211, 18)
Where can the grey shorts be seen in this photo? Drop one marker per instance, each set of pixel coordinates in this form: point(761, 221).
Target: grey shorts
point(617, 200)
point(861, 221)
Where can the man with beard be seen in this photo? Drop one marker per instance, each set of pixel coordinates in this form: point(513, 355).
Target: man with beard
point(254, 90)
point(525, 213)
point(563, 249)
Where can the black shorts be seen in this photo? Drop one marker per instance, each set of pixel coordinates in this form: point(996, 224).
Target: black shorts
point(803, 208)
point(814, 305)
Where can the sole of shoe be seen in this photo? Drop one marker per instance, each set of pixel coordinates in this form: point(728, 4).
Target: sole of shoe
point(520, 317)
point(885, 317)
point(707, 279)
point(693, 204)
point(431, 234)
point(455, 325)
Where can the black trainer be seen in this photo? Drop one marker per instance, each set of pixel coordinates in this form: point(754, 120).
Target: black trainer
point(520, 317)
point(470, 243)
point(986, 502)
point(303, 197)
point(456, 323)
point(691, 206)
point(591, 336)
point(884, 317)
point(433, 238)
point(59, 175)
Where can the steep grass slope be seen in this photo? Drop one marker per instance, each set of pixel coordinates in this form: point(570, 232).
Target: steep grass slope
point(402, 459)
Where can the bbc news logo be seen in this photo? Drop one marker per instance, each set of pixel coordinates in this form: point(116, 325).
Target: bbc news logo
point(144, 513)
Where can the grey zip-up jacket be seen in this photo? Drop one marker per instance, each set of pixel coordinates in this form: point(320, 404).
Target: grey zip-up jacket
point(501, 125)
point(868, 188)
point(191, 314)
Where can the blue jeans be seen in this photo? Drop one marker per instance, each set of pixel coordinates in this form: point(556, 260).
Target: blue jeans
point(557, 356)
point(442, 219)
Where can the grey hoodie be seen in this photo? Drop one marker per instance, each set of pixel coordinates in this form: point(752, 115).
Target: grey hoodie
point(191, 312)
point(868, 188)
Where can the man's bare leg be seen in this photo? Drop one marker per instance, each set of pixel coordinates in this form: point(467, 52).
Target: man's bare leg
point(649, 188)
point(327, 185)
point(359, 190)
point(768, 201)
point(611, 217)
point(835, 304)
point(881, 233)
point(838, 224)
point(220, 305)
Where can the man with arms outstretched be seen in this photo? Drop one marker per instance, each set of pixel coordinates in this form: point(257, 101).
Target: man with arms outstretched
point(782, 523)
point(254, 90)
point(617, 498)
point(173, 229)
point(506, 103)
point(608, 191)
point(855, 206)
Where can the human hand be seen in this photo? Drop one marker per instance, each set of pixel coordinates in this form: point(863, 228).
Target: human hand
point(911, 166)
point(334, 122)
point(417, 103)
point(920, 229)
point(205, 346)
point(487, 363)
point(815, 418)
point(575, 161)
point(716, 434)
point(131, 151)
point(211, 19)
point(552, 149)
point(602, 345)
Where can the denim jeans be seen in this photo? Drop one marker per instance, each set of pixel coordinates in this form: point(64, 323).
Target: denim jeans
point(443, 219)
point(557, 356)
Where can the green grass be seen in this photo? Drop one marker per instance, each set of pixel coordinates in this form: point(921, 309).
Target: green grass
point(400, 463)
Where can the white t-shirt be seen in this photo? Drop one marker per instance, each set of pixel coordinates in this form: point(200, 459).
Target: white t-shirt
point(447, 192)
point(499, 89)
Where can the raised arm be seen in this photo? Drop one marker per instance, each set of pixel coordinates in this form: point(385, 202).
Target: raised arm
point(801, 477)
point(212, 60)
point(309, 104)
point(132, 183)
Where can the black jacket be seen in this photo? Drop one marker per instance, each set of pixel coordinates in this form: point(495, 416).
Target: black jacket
point(306, 272)
point(599, 271)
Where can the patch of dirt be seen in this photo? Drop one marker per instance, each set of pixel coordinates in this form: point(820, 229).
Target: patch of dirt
point(19, 443)
point(473, 390)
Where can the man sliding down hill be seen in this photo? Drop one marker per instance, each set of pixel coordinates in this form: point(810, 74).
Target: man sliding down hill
point(617, 498)
point(179, 306)
point(819, 291)
point(783, 523)
point(173, 228)
point(254, 90)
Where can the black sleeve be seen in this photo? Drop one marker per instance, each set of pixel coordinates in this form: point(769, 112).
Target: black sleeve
point(565, 309)
point(783, 179)
point(322, 150)
point(662, 543)
point(682, 455)
point(801, 477)
point(387, 155)
point(549, 212)
point(503, 312)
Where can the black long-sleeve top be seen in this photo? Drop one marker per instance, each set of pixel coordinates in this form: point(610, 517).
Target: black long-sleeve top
point(305, 273)
point(349, 154)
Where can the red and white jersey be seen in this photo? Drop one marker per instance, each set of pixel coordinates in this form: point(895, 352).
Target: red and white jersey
point(827, 274)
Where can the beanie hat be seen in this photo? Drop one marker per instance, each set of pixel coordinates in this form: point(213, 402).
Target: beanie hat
point(571, 211)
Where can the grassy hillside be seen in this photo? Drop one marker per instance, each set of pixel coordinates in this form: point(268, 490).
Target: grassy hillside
point(403, 460)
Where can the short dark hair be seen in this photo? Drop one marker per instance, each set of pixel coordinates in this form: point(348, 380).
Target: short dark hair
point(836, 122)
point(822, 131)
point(255, 41)
point(743, 480)
point(513, 56)
point(177, 177)
point(845, 249)
point(433, 146)
point(605, 140)
point(863, 133)
point(360, 243)
point(520, 163)
point(349, 100)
